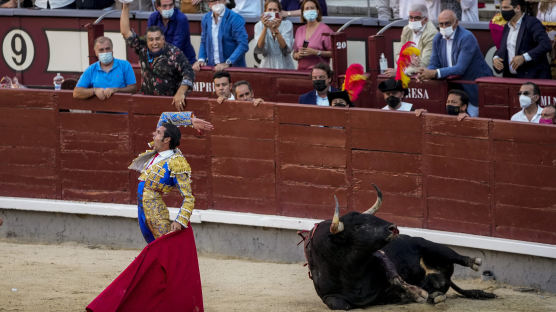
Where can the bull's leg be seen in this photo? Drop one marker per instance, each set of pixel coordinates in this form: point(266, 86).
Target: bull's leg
point(336, 303)
point(417, 294)
point(440, 254)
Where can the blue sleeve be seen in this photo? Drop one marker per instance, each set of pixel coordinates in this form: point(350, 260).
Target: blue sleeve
point(204, 30)
point(86, 79)
point(239, 35)
point(435, 58)
point(465, 57)
point(185, 39)
point(129, 75)
point(152, 19)
point(323, 7)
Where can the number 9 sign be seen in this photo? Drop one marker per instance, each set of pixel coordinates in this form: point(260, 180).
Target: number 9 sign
point(18, 50)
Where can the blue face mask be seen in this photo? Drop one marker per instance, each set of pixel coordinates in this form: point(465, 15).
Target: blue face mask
point(167, 13)
point(105, 58)
point(310, 15)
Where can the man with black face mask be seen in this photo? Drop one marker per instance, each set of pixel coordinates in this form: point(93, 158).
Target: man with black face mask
point(456, 104)
point(393, 93)
point(321, 76)
point(524, 44)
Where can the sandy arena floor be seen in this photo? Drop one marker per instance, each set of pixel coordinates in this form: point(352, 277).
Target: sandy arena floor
point(67, 277)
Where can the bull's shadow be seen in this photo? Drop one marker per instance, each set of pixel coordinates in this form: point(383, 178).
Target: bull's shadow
point(359, 260)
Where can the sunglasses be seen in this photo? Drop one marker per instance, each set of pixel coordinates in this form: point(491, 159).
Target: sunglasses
point(523, 93)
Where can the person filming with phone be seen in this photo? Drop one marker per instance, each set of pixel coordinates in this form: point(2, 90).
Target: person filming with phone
point(274, 38)
point(311, 46)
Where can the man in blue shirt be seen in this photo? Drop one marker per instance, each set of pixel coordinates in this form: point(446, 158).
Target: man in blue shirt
point(224, 40)
point(107, 76)
point(174, 25)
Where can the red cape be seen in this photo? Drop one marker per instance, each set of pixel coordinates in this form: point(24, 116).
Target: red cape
point(164, 277)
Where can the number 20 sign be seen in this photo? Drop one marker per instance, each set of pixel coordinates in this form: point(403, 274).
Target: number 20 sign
point(341, 45)
point(18, 50)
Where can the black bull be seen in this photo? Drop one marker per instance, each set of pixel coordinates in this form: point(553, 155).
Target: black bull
point(355, 260)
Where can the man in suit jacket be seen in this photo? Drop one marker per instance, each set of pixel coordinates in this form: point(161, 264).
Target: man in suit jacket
point(466, 59)
point(524, 45)
point(231, 36)
point(321, 75)
point(421, 31)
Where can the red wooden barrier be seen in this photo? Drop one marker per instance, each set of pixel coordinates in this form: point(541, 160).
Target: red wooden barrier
point(478, 176)
point(498, 96)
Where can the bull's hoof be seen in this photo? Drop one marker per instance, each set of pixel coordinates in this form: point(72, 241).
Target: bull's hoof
point(417, 294)
point(436, 297)
point(335, 303)
point(439, 299)
point(476, 263)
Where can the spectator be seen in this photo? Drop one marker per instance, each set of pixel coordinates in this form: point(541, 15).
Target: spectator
point(93, 4)
point(456, 104)
point(251, 8)
point(469, 11)
point(243, 92)
point(524, 44)
point(466, 59)
point(164, 68)
point(548, 115)
point(223, 86)
point(55, 4)
point(293, 7)
point(274, 38)
point(107, 76)
point(529, 100)
point(339, 99)
point(433, 8)
point(194, 6)
point(547, 12)
point(311, 46)
point(223, 38)
point(393, 93)
point(421, 31)
point(174, 25)
point(388, 9)
point(13, 4)
point(452, 5)
point(321, 75)
point(137, 5)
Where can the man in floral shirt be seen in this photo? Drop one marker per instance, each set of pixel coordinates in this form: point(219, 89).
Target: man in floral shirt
point(164, 68)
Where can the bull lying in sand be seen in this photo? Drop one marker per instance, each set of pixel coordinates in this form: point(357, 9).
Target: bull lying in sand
point(355, 260)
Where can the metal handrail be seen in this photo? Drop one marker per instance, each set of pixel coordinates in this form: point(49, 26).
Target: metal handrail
point(99, 19)
point(346, 25)
point(399, 22)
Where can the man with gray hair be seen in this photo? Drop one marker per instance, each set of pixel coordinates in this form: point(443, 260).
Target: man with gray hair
point(433, 8)
point(421, 31)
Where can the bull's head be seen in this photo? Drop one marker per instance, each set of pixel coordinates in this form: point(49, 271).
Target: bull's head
point(337, 226)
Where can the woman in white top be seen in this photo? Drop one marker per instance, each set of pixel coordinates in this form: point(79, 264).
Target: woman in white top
point(274, 38)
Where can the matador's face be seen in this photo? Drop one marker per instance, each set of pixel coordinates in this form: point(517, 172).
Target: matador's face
point(161, 143)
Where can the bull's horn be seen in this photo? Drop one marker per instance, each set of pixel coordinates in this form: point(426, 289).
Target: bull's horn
point(336, 226)
point(378, 202)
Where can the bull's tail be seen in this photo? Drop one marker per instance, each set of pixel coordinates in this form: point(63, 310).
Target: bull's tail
point(472, 293)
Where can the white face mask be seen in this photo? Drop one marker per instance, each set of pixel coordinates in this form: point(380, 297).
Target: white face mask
point(446, 32)
point(167, 13)
point(218, 9)
point(524, 101)
point(415, 25)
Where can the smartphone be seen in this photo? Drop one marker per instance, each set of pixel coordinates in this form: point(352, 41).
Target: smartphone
point(272, 15)
point(305, 43)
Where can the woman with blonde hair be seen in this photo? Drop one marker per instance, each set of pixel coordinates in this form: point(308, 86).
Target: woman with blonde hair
point(274, 38)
